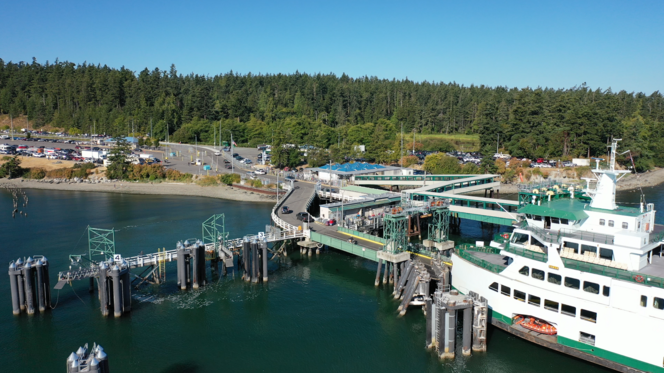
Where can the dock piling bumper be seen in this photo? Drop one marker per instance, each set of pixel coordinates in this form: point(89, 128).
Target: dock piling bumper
point(264, 249)
point(117, 291)
point(28, 279)
point(450, 333)
point(386, 273)
point(467, 322)
point(254, 262)
point(104, 298)
point(14, 278)
point(126, 290)
point(182, 272)
point(380, 264)
point(40, 285)
point(429, 315)
point(47, 283)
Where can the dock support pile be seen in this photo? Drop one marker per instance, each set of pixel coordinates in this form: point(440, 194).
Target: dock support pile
point(442, 313)
point(191, 266)
point(114, 288)
point(29, 285)
point(254, 257)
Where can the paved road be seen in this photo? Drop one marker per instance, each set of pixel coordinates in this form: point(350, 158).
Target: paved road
point(297, 202)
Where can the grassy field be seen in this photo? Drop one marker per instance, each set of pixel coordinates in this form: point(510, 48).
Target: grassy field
point(466, 143)
point(46, 164)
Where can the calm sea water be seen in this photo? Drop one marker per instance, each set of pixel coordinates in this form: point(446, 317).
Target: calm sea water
point(318, 314)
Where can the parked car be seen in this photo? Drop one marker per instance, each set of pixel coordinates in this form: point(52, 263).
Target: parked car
point(228, 166)
point(289, 177)
point(285, 210)
point(260, 172)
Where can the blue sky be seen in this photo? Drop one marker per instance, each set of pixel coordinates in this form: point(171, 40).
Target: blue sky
point(558, 44)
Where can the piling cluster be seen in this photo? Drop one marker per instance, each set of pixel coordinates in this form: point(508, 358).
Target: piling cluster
point(114, 288)
point(191, 265)
point(442, 313)
point(413, 286)
point(30, 286)
point(94, 361)
point(254, 260)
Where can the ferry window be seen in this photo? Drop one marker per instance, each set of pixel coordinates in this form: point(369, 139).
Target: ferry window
point(555, 220)
point(588, 315)
point(591, 287)
point(568, 310)
point(494, 286)
point(555, 279)
point(625, 225)
point(644, 301)
point(639, 226)
point(529, 216)
point(606, 291)
point(538, 274)
point(572, 245)
point(564, 221)
point(588, 248)
point(519, 238)
point(519, 295)
point(537, 218)
point(605, 253)
point(572, 283)
point(658, 303)
point(611, 223)
point(505, 290)
point(534, 300)
point(551, 305)
point(524, 271)
point(602, 222)
point(587, 338)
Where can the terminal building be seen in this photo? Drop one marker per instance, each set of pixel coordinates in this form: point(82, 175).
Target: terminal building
point(346, 171)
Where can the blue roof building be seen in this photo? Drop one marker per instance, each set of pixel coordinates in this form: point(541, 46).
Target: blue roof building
point(348, 170)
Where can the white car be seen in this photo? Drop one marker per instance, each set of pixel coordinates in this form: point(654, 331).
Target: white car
point(217, 153)
point(261, 172)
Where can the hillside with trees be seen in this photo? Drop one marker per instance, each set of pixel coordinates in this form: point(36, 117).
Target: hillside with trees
point(330, 111)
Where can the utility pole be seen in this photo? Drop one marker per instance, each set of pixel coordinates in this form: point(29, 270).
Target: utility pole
point(497, 144)
point(151, 129)
point(233, 163)
point(413, 141)
point(11, 120)
point(401, 160)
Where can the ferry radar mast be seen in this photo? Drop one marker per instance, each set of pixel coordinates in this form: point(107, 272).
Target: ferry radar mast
point(604, 194)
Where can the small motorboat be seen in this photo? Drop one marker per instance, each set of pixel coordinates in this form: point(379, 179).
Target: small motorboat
point(535, 324)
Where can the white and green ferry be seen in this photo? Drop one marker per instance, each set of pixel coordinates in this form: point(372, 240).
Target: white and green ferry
point(579, 274)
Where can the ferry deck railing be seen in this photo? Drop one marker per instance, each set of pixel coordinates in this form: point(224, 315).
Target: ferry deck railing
point(464, 252)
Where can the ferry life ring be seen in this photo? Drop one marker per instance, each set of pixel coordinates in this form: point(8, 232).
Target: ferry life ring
point(639, 278)
point(506, 235)
point(394, 211)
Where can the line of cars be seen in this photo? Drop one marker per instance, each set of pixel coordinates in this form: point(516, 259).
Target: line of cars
point(40, 152)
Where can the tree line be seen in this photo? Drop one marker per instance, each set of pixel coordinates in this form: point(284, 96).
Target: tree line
point(330, 111)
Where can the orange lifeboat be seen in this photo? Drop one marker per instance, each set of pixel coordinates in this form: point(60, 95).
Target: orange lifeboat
point(535, 324)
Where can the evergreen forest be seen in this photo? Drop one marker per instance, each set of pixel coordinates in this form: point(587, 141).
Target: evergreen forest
point(330, 111)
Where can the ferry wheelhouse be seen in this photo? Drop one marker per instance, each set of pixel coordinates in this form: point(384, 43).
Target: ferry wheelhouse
point(578, 274)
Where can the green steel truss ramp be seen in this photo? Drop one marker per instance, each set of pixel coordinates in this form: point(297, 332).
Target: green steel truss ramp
point(396, 228)
point(101, 243)
point(439, 225)
point(214, 230)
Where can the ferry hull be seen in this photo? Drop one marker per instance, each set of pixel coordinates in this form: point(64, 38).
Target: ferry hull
point(467, 277)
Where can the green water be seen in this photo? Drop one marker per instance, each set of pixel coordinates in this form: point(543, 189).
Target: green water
point(319, 314)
